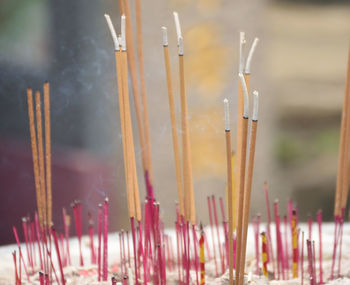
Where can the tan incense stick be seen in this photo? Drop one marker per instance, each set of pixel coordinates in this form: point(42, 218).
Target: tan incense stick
point(248, 184)
point(186, 147)
point(143, 88)
point(229, 187)
point(41, 155)
point(34, 154)
point(134, 82)
point(345, 185)
point(173, 121)
point(48, 151)
point(242, 167)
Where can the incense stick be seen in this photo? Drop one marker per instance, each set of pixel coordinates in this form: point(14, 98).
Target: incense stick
point(248, 183)
point(173, 121)
point(48, 151)
point(41, 155)
point(34, 153)
point(242, 167)
point(229, 187)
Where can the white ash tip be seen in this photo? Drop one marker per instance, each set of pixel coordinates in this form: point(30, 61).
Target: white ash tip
point(255, 106)
point(181, 46)
point(112, 31)
point(123, 32)
point(165, 36)
point(241, 51)
point(250, 55)
point(227, 114)
point(245, 95)
point(177, 25)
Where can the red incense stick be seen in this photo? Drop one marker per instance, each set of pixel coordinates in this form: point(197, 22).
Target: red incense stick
point(132, 222)
point(319, 222)
point(20, 250)
point(212, 235)
point(302, 258)
point(53, 231)
point(15, 264)
point(99, 242)
point(286, 245)
point(105, 241)
point(41, 278)
point(25, 231)
point(218, 233)
point(309, 222)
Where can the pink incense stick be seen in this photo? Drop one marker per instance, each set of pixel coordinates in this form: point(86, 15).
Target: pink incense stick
point(15, 264)
point(319, 222)
point(132, 222)
point(58, 255)
point(280, 255)
point(336, 228)
point(302, 258)
point(105, 241)
point(91, 236)
point(41, 278)
point(25, 231)
point(66, 234)
point(127, 242)
point(99, 242)
point(268, 230)
point(224, 222)
point(20, 250)
point(218, 233)
point(77, 213)
point(178, 253)
point(212, 236)
point(286, 244)
point(341, 240)
point(62, 250)
point(310, 261)
point(314, 262)
point(31, 234)
point(195, 243)
point(114, 281)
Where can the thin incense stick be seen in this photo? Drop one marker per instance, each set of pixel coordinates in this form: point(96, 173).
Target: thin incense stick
point(295, 245)
point(202, 256)
point(41, 154)
point(186, 146)
point(105, 240)
point(229, 187)
point(53, 231)
point(173, 121)
point(248, 183)
point(34, 153)
point(134, 82)
point(143, 89)
point(48, 151)
point(242, 167)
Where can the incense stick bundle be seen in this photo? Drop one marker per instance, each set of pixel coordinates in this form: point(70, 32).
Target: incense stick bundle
point(229, 187)
point(248, 184)
point(186, 146)
point(242, 168)
point(173, 121)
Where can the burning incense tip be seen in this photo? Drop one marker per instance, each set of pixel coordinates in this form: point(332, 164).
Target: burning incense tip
point(181, 45)
point(255, 106)
point(112, 31)
point(241, 51)
point(165, 36)
point(250, 56)
point(123, 32)
point(177, 25)
point(245, 93)
point(227, 114)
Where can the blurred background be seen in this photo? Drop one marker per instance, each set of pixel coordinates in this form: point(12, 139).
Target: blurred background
point(299, 68)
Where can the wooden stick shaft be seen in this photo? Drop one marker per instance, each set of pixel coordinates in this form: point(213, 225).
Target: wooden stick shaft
point(174, 130)
point(39, 125)
point(241, 196)
point(345, 185)
point(247, 196)
point(230, 204)
point(143, 90)
point(186, 151)
point(134, 82)
point(48, 151)
point(34, 153)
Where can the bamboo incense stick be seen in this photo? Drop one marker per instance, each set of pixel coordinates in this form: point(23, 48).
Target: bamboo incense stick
point(134, 82)
point(186, 147)
point(41, 155)
point(248, 184)
point(48, 151)
point(242, 167)
point(345, 167)
point(143, 88)
point(240, 107)
point(229, 187)
point(173, 121)
point(34, 153)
